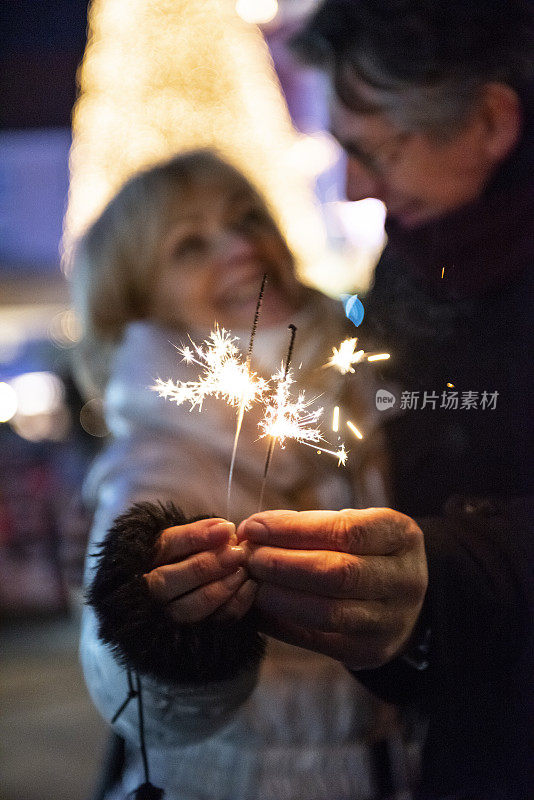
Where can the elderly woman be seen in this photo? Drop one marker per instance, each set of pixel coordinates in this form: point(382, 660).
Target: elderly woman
point(183, 245)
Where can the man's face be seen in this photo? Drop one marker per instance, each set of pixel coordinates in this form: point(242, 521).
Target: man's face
point(417, 177)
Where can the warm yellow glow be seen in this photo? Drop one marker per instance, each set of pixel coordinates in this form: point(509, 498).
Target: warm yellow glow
point(163, 76)
point(257, 11)
point(450, 385)
point(335, 419)
point(289, 418)
point(225, 374)
point(345, 356)
point(443, 272)
point(340, 454)
point(354, 429)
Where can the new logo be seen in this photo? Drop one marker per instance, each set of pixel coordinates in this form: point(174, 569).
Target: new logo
point(384, 400)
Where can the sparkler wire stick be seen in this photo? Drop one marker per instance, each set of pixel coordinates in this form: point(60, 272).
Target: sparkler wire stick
point(256, 318)
point(272, 442)
point(241, 412)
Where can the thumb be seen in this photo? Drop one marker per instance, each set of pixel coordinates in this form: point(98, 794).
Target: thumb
point(370, 531)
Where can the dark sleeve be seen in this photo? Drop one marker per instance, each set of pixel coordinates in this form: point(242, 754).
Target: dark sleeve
point(138, 627)
point(478, 608)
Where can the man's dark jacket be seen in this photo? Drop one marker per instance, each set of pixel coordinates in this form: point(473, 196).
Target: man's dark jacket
point(466, 476)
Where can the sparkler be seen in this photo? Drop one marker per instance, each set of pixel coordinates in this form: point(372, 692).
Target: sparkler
point(242, 409)
point(225, 374)
point(347, 354)
point(280, 392)
point(285, 418)
point(340, 454)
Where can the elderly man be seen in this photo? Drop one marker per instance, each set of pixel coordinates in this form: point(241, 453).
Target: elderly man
point(430, 604)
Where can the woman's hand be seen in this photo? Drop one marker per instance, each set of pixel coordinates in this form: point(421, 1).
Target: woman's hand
point(349, 584)
point(199, 571)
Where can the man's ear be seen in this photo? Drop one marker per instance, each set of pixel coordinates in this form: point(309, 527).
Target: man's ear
point(501, 115)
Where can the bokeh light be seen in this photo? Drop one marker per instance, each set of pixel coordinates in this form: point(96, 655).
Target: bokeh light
point(92, 418)
point(257, 12)
point(41, 411)
point(8, 402)
point(64, 329)
point(39, 427)
point(312, 154)
point(37, 393)
point(163, 76)
point(363, 222)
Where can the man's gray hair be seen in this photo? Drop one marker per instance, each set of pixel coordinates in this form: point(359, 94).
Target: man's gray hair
point(421, 62)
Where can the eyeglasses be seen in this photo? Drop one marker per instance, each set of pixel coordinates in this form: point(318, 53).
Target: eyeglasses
point(384, 158)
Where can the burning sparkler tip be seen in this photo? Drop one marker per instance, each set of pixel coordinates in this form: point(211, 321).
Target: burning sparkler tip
point(225, 374)
point(345, 356)
point(342, 456)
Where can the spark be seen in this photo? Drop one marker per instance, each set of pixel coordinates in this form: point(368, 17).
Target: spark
point(284, 375)
point(187, 354)
point(450, 385)
point(442, 272)
point(285, 418)
point(378, 357)
point(226, 374)
point(345, 356)
point(335, 419)
point(340, 454)
point(354, 429)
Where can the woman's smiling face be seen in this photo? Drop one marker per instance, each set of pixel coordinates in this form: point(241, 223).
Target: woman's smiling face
point(212, 259)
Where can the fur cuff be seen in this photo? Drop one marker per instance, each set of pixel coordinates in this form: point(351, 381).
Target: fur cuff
point(141, 632)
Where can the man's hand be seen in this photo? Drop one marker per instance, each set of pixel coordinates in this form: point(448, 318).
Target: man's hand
point(199, 572)
point(348, 583)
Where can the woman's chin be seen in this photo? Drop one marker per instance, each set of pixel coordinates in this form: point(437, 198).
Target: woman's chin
point(275, 310)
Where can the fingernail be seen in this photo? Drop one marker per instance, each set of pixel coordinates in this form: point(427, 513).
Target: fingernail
point(246, 547)
point(256, 531)
point(222, 527)
point(232, 555)
point(235, 579)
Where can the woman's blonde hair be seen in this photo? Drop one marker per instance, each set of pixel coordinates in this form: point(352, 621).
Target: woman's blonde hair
point(113, 263)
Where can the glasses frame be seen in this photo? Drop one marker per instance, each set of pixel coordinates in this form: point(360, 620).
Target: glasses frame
point(374, 160)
